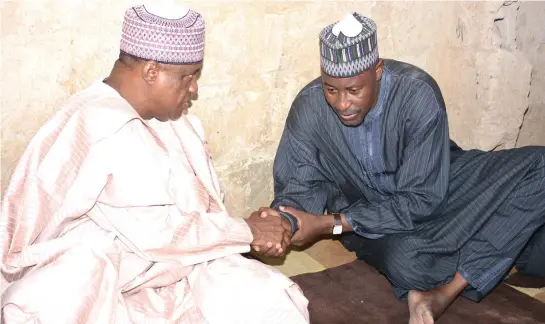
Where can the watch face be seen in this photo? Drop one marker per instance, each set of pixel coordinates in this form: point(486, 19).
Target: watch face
point(337, 230)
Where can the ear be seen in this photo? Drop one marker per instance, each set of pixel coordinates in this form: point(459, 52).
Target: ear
point(150, 72)
point(379, 67)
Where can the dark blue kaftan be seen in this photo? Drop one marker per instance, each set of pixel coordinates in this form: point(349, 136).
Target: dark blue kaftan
point(421, 207)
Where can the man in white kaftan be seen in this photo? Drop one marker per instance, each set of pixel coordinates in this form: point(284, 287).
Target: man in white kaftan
point(114, 213)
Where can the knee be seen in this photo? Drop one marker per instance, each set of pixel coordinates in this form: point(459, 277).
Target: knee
point(247, 289)
point(75, 266)
point(401, 270)
point(69, 276)
point(253, 290)
point(391, 259)
point(405, 268)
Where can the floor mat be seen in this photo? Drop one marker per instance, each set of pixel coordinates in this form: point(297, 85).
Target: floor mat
point(356, 293)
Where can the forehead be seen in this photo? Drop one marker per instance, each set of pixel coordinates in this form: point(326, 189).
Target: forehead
point(359, 80)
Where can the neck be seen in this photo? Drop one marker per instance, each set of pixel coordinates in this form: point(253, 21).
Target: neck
point(123, 81)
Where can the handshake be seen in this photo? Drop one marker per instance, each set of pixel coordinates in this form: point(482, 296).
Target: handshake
point(272, 231)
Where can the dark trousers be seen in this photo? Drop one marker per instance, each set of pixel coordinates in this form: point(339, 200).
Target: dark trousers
point(483, 264)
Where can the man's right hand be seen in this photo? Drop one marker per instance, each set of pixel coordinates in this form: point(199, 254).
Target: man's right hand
point(271, 232)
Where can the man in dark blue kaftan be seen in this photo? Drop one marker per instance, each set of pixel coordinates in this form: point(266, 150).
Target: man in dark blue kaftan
point(368, 143)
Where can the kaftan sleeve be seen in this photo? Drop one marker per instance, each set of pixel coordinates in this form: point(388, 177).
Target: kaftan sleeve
point(167, 207)
point(421, 181)
point(298, 181)
point(204, 237)
point(55, 181)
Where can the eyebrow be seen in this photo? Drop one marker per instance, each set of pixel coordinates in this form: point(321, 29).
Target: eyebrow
point(197, 71)
point(188, 73)
point(355, 86)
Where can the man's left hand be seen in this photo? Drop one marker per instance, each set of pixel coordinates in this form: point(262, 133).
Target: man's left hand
point(310, 226)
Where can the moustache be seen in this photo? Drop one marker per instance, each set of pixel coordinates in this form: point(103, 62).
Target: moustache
point(347, 112)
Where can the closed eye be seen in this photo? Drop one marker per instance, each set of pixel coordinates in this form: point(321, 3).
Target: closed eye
point(354, 90)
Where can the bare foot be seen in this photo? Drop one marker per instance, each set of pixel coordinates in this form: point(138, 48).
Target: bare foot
point(426, 306)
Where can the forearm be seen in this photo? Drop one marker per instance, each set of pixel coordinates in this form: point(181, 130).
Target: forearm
point(204, 237)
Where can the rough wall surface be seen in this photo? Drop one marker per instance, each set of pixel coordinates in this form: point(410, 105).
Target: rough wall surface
point(259, 55)
point(530, 40)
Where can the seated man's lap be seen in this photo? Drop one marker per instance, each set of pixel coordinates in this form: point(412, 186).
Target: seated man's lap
point(405, 268)
point(79, 281)
point(234, 289)
point(84, 282)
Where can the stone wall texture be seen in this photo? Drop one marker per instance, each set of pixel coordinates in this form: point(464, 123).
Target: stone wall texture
point(488, 58)
point(530, 40)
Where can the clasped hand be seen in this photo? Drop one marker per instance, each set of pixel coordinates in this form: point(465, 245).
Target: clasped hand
point(271, 232)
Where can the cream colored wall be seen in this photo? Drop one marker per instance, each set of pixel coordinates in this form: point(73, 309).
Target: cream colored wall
point(530, 40)
point(259, 54)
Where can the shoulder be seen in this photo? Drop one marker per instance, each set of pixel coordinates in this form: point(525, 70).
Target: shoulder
point(413, 83)
point(101, 111)
point(308, 108)
point(90, 115)
point(88, 118)
point(414, 91)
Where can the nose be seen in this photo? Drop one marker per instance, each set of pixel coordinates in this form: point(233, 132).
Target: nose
point(194, 87)
point(343, 103)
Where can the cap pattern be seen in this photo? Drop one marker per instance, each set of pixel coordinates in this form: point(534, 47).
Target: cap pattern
point(171, 41)
point(342, 56)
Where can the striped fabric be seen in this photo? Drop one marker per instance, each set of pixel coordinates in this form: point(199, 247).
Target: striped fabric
point(343, 56)
point(112, 219)
point(421, 207)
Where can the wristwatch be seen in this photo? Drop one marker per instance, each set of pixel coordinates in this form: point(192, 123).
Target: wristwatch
point(337, 224)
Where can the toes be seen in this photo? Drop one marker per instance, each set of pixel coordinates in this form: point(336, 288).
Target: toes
point(428, 318)
point(421, 314)
point(415, 320)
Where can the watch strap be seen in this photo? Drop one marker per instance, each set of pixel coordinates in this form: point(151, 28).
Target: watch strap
point(291, 219)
